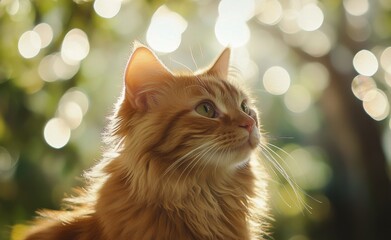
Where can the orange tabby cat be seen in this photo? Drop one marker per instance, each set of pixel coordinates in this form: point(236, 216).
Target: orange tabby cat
point(177, 164)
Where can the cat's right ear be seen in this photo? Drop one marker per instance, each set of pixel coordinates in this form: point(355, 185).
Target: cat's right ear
point(143, 75)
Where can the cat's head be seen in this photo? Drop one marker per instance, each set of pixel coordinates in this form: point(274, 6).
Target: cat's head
point(187, 120)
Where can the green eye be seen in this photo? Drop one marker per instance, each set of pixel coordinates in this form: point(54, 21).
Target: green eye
point(206, 109)
point(245, 108)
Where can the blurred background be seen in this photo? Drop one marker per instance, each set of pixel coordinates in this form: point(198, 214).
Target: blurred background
point(320, 70)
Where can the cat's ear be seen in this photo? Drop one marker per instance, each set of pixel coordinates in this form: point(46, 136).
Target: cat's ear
point(220, 67)
point(143, 75)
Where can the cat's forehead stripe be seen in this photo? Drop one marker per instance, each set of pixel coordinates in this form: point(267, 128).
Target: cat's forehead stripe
point(222, 89)
point(224, 94)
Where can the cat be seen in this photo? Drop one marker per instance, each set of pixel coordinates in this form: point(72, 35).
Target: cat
point(180, 162)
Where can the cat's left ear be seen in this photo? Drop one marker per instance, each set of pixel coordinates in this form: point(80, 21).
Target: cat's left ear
point(220, 67)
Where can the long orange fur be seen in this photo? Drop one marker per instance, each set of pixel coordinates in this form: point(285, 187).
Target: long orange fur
point(168, 172)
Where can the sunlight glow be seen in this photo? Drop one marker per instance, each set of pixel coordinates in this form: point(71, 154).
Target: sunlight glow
point(29, 44)
point(164, 34)
point(376, 104)
point(45, 33)
point(361, 85)
point(276, 80)
point(356, 7)
point(385, 60)
point(270, 12)
point(107, 8)
point(57, 133)
point(297, 99)
point(75, 46)
point(365, 63)
point(310, 17)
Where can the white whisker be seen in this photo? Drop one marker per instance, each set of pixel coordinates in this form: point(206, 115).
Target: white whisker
point(269, 154)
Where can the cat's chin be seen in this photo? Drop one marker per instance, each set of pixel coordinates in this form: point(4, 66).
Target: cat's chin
point(254, 138)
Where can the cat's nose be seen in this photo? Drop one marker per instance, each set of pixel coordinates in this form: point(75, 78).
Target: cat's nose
point(248, 124)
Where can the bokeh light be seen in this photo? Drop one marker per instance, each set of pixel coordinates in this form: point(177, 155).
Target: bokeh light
point(75, 46)
point(164, 34)
point(385, 60)
point(77, 96)
point(53, 68)
point(308, 170)
point(45, 33)
point(6, 161)
point(13, 7)
point(387, 78)
point(29, 44)
point(270, 12)
point(317, 43)
point(361, 85)
point(231, 27)
point(359, 28)
point(236, 10)
point(365, 63)
point(310, 17)
point(315, 77)
point(57, 133)
point(276, 80)
point(71, 113)
point(231, 33)
point(356, 7)
point(376, 104)
point(107, 8)
point(297, 99)
point(288, 23)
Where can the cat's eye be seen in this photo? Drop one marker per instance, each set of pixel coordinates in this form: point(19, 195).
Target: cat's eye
point(206, 109)
point(245, 107)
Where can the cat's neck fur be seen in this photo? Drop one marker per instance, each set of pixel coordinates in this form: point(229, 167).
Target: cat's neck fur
point(198, 202)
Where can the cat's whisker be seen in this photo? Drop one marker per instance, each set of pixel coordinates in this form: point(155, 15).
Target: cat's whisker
point(268, 153)
point(275, 165)
point(173, 165)
point(192, 57)
point(187, 155)
point(195, 162)
point(292, 158)
point(211, 156)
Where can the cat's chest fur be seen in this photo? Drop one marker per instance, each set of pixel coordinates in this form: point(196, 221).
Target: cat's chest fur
point(205, 210)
